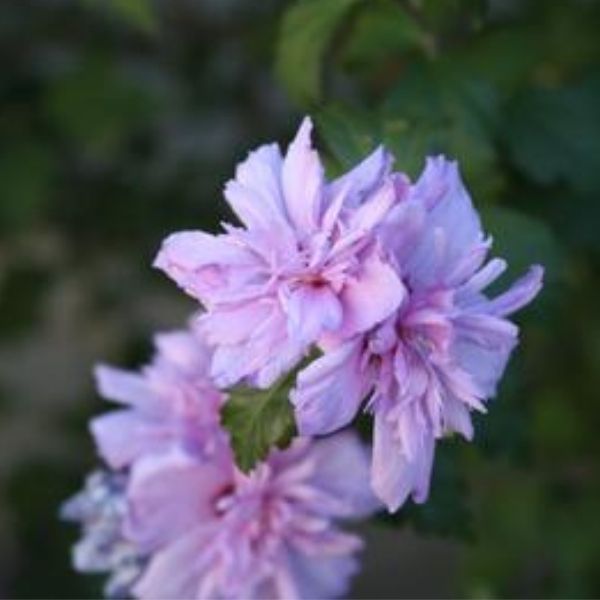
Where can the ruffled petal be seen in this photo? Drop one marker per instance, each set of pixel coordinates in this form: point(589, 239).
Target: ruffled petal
point(457, 417)
point(374, 209)
point(321, 576)
point(374, 294)
point(123, 386)
point(199, 263)
point(184, 350)
point(176, 571)
point(453, 226)
point(303, 181)
point(343, 471)
point(363, 179)
point(409, 218)
point(123, 436)
point(265, 355)
point(329, 391)
point(521, 293)
point(255, 194)
point(235, 324)
point(170, 493)
point(482, 347)
point(311, 311)
point(393, 476)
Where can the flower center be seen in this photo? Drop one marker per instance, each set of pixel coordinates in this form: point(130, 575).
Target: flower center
point(254, 515)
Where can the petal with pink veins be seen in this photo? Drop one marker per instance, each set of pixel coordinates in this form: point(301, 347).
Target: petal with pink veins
point(303, 181)
point(371, 296)
point(198, 261)
point(311, 311)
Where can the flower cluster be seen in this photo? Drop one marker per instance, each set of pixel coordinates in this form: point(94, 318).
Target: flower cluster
point(177, 519)
point(386, 278)
point(384, 275)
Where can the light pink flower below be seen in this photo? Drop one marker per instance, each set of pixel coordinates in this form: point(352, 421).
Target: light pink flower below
point(217, 533)
point(171, 402)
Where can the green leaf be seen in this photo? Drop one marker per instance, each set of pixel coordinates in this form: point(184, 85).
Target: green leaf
point(138, 13)
point(307, 30)
point(553, 135)
point(382, 30)
point(436, 108)
point(349, 135)
point(259, 420)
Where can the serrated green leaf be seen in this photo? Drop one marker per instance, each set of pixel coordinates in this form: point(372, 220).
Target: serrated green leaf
point(258, 420)
point(306, 31)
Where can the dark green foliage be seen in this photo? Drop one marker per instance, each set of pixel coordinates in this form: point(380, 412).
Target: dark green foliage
point(26, 172)
point(553, 134)
point(21, 296)
point(35, 493)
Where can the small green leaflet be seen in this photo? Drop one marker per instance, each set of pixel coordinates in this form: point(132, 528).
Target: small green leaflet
point(258, 420)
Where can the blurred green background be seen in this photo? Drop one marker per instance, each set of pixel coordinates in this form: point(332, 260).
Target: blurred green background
point(120, 120)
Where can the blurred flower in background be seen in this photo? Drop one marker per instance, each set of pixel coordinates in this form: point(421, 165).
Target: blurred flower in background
point(121, 121)
point(101, 508)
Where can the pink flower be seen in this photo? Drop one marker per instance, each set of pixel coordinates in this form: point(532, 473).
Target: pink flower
point(170, 402)
point(215, 532)
point(305, 263)
point(439, 356)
